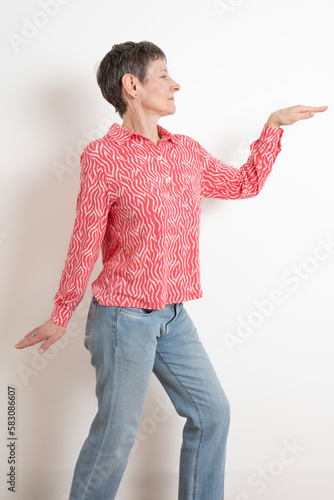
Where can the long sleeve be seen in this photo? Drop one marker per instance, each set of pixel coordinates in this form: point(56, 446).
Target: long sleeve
point(223, 181)
point(93, 203)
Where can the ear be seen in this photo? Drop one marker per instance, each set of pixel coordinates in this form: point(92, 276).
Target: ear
point(129, 85)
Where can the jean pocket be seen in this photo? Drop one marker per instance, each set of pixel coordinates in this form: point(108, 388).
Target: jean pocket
point(91, 316)
point(137, 311)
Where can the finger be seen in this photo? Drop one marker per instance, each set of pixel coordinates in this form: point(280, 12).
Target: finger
point(320, 109)
point(30, 333)
point(44, 347)
point(31, 338)
point(306, 115)
point(28, 341)
point(34, 330)
point(313, 109)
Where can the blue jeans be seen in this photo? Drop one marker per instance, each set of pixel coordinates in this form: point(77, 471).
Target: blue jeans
point(126, 345)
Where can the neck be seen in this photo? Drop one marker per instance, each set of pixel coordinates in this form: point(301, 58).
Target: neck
point(144, 126)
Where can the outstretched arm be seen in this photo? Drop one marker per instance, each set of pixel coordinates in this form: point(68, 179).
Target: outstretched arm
point(224, 181)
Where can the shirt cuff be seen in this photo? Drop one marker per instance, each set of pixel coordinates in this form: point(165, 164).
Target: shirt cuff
point(61, 316)
point(272, 135)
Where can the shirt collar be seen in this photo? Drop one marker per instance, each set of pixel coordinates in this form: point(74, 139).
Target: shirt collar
point(121, 135)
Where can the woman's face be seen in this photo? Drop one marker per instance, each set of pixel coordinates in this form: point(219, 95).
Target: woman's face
point(156, 94)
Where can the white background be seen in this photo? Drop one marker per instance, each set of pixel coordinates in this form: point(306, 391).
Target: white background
point(237, 61)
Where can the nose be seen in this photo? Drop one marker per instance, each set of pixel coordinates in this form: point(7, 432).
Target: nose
point(175, 86)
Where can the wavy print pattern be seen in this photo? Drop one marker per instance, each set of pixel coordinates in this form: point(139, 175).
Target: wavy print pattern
point(140, 203)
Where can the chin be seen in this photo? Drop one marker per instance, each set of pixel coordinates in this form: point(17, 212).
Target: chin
point(167, 113)
point(171, 112)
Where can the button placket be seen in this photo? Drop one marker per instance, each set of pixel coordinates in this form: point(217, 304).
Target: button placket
point(167, 175)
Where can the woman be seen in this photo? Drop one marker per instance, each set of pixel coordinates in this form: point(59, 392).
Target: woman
point(139, 200)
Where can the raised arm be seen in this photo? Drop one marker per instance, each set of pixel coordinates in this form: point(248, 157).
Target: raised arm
point(220, 180)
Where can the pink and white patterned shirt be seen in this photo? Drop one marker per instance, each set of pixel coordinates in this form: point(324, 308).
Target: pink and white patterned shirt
point(140, 203)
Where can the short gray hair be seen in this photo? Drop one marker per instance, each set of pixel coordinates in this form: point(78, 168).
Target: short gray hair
point(123, 58)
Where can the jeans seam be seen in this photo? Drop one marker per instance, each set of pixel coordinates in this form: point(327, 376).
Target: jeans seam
point(105, 434)
point(168, 322)
point(199, 418)
point(91, 317)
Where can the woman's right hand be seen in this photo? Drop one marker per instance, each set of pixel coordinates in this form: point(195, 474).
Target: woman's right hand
point(48, 332)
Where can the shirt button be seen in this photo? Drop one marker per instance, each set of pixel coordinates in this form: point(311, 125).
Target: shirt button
point(168, 179)
point(160, 158)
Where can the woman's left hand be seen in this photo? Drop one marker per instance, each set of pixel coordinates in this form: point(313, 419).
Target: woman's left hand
point(288, 116)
